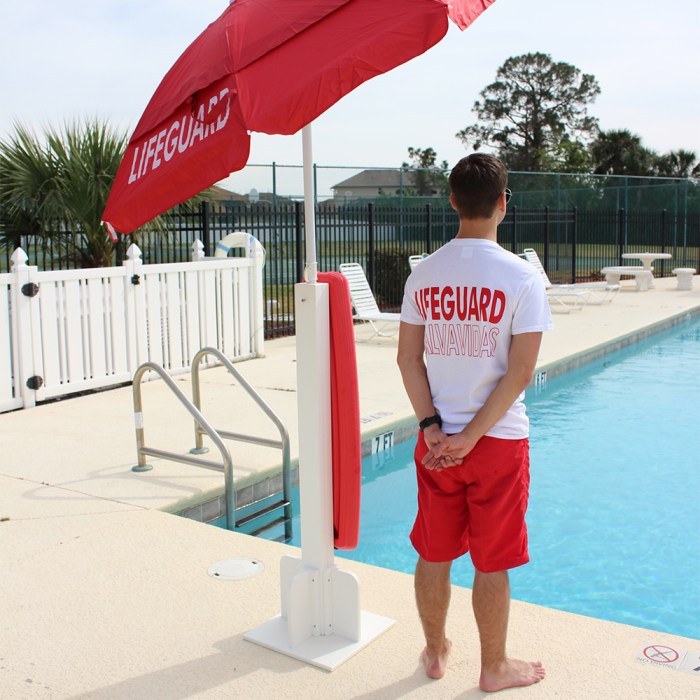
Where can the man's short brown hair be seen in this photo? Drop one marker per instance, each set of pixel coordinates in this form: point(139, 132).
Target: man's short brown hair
point(476, 183)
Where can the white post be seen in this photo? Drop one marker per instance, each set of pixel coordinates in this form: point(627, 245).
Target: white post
point(305, 594)
point(22, 313)
point(314, 406)
point(309, 209)
point(256, 252)
point(197, 250)
point(137, 340)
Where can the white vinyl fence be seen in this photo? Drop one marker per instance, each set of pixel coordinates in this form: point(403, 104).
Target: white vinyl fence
point(71, 330)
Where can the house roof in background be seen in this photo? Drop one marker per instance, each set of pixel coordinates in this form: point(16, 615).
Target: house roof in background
point(215, 193)
point(378, 178)
point(221, 194)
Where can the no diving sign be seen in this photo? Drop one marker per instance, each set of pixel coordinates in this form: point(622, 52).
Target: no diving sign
point(670, 657)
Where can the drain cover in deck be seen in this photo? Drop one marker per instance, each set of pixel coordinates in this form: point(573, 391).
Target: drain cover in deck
point(236, 569)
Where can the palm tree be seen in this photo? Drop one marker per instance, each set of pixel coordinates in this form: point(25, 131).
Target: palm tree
point(676, 163)
point(620, 152)
point(58, 185)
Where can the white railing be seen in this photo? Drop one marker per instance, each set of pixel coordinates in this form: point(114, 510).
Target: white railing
point(71, 330)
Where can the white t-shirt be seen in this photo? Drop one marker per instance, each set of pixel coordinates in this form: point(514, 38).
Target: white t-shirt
point(472, 296)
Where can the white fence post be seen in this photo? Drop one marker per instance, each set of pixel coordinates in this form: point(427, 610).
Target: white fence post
point(22, 314)
point(197, 250)
point(137, 338)
point(257, 253)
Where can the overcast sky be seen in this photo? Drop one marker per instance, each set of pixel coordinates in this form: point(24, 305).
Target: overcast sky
point(62, 60)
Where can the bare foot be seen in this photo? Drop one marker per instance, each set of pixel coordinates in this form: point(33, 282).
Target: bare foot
point(435, 666)
point(511, 674)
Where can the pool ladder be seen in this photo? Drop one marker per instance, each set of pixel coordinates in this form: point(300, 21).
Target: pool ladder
point(234, 519)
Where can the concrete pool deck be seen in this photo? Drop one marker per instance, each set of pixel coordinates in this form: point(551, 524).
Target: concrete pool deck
point(105, 594)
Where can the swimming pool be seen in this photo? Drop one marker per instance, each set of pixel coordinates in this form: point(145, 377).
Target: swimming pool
point(614, 520)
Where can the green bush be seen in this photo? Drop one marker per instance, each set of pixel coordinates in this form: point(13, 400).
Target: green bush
point(391, 271)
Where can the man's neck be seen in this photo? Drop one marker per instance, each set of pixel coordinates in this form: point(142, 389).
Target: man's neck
point(483, 229)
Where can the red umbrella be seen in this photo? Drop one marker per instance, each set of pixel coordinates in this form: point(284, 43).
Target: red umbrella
point(270, 66)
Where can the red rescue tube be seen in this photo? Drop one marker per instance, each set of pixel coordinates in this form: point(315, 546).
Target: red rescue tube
point(345, 415)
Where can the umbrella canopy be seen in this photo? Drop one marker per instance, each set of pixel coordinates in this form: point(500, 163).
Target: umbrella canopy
point(270, 66)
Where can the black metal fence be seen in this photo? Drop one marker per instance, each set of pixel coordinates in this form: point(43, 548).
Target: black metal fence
point(573, 244)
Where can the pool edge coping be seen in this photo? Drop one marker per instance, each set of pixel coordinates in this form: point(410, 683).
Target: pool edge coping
point(584, 357)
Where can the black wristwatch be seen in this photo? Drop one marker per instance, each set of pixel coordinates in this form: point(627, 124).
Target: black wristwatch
point(430, 420)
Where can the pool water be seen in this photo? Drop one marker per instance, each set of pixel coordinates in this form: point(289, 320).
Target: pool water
point(614, 515)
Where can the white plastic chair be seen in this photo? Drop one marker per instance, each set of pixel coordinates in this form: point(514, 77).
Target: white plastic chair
point(363, 300)
point(413, 260)
point(561, 293)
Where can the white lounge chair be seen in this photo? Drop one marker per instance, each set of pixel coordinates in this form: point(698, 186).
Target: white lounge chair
point(413, 260)
point(363, 300)
point(598, 292)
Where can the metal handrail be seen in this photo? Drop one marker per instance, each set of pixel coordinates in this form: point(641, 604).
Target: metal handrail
point(141, 450)
point(282, 443)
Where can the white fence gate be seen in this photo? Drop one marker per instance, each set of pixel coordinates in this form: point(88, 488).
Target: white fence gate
point(72, 330)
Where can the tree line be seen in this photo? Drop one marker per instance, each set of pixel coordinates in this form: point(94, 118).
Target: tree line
point(536, 117)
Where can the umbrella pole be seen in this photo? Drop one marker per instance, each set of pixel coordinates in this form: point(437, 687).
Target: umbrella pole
point(320, 621)
point(312, 322)
point(309, 205)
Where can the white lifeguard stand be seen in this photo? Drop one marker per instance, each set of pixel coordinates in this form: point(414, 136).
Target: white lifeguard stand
point(321, 621)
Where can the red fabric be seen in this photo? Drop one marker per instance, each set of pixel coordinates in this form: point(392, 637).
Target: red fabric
point(477, 507)
point(205, 138)
point(244, 32)
point(313, 70)
point(345, 415)
point(464, 12)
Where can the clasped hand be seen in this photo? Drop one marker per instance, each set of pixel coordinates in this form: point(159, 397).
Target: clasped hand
point(445, 451)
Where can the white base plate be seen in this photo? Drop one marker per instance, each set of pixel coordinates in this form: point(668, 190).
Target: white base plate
point(325, 652)
point(236, 569)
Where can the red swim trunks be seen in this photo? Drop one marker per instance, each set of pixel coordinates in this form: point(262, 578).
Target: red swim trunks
point(477, 507)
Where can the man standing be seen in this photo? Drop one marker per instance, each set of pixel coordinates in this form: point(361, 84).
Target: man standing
point(471, 326)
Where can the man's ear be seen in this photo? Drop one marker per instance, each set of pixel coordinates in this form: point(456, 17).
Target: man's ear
point(452, 202)
point(502, 206)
